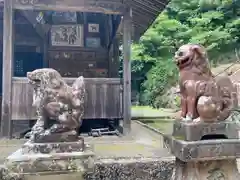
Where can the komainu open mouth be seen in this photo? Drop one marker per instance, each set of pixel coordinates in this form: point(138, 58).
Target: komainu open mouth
point(183, 62)
point(34, 81)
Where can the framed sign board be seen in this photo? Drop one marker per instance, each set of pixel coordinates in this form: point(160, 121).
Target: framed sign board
point(93, 42)
point(67, 35)
point(93, 28)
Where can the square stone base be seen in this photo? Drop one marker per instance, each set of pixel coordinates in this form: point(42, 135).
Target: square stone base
point(44, 163)
point(57, 176)
point(195, 131)
point(208, 170)
point(216, 149)
point(50, 160)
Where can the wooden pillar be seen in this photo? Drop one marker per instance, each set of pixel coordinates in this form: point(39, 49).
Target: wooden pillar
point(127, 28)
point(8, 56)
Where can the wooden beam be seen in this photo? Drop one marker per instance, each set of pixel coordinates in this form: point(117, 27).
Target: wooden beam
point(8, 56)
point(127, 28)
point(101, 6)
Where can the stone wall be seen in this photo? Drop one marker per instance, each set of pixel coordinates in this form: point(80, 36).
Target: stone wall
point(122, 169)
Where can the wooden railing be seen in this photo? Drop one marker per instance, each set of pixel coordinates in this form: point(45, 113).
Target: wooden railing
point(103, 98)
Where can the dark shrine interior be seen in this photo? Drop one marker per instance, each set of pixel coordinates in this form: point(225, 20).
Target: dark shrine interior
point(28, 57)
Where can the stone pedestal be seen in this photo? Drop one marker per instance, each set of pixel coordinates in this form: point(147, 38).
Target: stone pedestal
point(205, 151)
point(51, 160)
point(206, 170)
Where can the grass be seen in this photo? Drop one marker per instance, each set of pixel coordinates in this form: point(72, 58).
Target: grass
point(163, 125)
point(118, 147)
point(124, 150)
point(146, 111)
point(161, 119)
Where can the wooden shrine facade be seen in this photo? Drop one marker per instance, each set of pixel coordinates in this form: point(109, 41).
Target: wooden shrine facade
point(93, 53)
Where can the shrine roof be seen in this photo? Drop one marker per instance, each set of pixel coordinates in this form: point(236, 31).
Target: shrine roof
point(144, 12)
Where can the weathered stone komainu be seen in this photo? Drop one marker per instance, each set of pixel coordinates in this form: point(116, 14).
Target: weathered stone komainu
point(203, 97)
point(59, 106)
point(54, 147)
point(207, 147)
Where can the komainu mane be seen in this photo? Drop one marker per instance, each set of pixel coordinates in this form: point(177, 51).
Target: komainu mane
point(59, 106)
point(203, 97)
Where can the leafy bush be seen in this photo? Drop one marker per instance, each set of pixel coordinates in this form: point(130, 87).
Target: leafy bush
point(160, 78)
point(212, 23)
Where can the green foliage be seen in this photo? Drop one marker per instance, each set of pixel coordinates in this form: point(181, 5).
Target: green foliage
point(213, 23)
point(159, 78)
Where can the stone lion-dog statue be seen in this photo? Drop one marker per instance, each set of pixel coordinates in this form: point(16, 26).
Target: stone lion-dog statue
point(203, 97)
point(60, 107)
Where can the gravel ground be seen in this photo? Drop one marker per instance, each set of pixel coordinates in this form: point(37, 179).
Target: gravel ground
point(140, 142)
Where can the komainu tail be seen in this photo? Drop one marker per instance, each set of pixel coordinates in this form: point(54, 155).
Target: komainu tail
point(78, 96)
point(79, 88)
point(228, 87)
point(79, 83)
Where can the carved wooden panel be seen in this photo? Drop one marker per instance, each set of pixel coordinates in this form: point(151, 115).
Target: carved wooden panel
point(72, 55)
point(77, 63)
